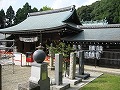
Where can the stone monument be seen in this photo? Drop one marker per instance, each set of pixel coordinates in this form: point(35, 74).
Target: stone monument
point(51, 57)
point(39, 79)
point(72, 69)
point(72, 79)
point(59, 84)
point(39, 72)
point(58, 69)
point(81, 73)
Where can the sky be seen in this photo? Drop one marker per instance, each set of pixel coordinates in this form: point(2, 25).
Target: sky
point(55, 4)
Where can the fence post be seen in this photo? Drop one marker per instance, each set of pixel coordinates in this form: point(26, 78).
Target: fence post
point(0, 77)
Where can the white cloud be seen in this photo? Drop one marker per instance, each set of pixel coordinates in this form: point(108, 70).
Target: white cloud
point(77, 3)
point(4, 4)
point(61, 3)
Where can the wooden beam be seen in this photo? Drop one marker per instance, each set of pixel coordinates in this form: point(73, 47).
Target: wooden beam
point(7, 40)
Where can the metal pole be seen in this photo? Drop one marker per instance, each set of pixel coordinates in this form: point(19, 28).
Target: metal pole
point(0, 77)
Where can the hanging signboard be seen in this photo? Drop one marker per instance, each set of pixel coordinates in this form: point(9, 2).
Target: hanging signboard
point(30, 39)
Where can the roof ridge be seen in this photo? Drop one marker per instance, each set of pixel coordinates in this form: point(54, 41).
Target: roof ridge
point(99, 26)
point(52, 11)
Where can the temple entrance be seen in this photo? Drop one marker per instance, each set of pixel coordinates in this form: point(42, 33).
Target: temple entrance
point(27, 44)
point(29, 47)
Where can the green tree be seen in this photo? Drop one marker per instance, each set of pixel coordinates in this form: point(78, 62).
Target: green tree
point(10, 15)
point(109, 9)
point(45, 8)
point(18, 17)
point(2, 18)
point(84, 13)
point(34, 9)
point(62, 48)
point(22, 13)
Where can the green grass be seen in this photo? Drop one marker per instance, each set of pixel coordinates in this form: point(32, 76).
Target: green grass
point(104, 82)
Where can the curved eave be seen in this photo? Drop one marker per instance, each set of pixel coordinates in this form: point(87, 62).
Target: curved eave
point(45, 30)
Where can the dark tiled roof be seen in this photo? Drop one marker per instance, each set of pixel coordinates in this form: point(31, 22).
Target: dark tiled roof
point(45, 21)
point(101, 34)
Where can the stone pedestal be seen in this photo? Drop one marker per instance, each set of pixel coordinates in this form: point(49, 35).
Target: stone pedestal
point(28, 86)
point(74, 81)
point(39, 75)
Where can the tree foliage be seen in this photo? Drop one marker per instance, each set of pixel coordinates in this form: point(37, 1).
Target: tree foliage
point(10, 15)
point(22, 13)
point(109, 9)
point(62, 48)
point(2, 18)
point(45, 8)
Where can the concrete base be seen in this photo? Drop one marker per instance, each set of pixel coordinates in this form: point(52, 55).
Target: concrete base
point(84, 76)
point(28, 86)
point(72, 82)
point(64, 86)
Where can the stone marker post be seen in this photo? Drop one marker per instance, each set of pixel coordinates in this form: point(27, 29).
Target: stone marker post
point(81, 73)
point(81, 62)
point(51, 60)
point(0, 77)
point(58, 68)
point(72, 65)
point(51, 56)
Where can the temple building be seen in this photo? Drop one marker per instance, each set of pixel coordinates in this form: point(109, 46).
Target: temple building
point(64, 25)
point(44, 27)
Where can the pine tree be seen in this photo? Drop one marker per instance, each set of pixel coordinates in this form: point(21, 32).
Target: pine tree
point(2, 18)
point(10, 16)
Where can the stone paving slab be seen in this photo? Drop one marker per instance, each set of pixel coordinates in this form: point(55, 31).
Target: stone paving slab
point(72, 82)
point(93, 75)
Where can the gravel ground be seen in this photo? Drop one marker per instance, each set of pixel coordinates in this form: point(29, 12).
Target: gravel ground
point(10, 81)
